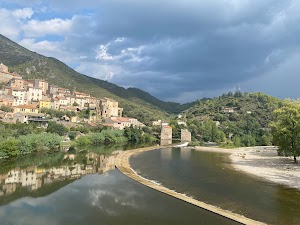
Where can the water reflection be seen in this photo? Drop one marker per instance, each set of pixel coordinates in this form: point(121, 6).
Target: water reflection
point(166, 154)
point(109, 198)
point(34, 177)
point(185, 153)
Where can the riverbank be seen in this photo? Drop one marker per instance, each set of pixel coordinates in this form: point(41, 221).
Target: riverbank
point(264, 163)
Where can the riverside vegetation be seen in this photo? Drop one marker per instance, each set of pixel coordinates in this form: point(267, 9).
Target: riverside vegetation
point(20, 139)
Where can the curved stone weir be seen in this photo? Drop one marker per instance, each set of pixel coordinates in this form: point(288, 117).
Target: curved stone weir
point(123, 165)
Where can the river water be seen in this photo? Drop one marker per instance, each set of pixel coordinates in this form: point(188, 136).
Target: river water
point(209, 177)
point(85, 188)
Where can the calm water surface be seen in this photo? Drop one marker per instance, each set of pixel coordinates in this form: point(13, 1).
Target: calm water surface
point(209, 177)
point(85, 188)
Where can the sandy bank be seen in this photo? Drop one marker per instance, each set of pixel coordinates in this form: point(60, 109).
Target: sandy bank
point(263, 162)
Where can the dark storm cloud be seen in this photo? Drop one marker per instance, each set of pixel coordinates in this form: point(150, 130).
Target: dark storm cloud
point(198, 46)
point(171, 48)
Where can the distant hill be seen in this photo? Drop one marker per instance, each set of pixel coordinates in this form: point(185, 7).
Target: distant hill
point(256, 105)
point(242, 118)
point(136, 103)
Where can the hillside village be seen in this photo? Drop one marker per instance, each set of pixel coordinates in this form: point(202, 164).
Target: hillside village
point(27, 101)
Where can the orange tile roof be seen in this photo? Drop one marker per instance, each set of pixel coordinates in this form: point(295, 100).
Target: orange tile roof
point(26, 107)
point(27, 81)
point(12, 74)
point(62, 98)
point(107, 125)
point(80, 93)
point(120, 119)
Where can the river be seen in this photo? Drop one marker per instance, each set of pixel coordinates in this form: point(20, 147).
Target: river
point(209, 177)
point(85, 188)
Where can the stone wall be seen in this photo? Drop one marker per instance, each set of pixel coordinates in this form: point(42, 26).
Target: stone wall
point(166, 135)
point(186, 135)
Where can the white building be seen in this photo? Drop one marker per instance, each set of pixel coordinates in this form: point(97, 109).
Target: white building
point(34, 94)
point(122, 122)
point(81, 102)
point(20, 96)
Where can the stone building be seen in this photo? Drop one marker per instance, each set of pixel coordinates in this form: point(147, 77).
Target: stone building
point(186, 135)
point(81, 95)
point(6, 76)
point(52, 90)
point(3, 68)
point(42, 84)
point(166, 135)
point(109, 108)
point(122, 122)
point(17, 83)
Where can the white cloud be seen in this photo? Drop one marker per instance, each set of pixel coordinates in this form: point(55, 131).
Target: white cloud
point(50, 49)
point(25, 13)
point(102, 53)
point(36, 28)
point(12, 20)
point(43, 47)
point(99, 70)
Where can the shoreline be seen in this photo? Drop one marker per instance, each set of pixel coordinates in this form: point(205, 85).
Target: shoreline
point(262, 162)
point(123, 165)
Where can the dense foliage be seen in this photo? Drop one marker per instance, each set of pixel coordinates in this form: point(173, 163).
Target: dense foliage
point(56, 128)
point(104, 137)
point(286, 129)
point(43, 142)
point(248, 125)
point(6, 108)
point(140, 135)
point(8, 130)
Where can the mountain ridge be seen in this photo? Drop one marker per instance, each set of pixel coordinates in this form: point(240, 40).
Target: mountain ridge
point(34, 65)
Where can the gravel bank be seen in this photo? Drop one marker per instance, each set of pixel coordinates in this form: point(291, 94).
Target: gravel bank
point(263, 162)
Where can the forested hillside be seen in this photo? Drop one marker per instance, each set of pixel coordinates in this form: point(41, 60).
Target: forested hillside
point(246, 124)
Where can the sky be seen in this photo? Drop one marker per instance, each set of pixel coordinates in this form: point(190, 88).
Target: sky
point(175, 50)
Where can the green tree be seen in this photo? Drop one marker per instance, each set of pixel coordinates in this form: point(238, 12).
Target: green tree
point(210, 131)
point(9, 148)
point(236, 141)
point(286, 130)
point(6, 108)
point(54, 127)
point(248, 140)
point(266, 140)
